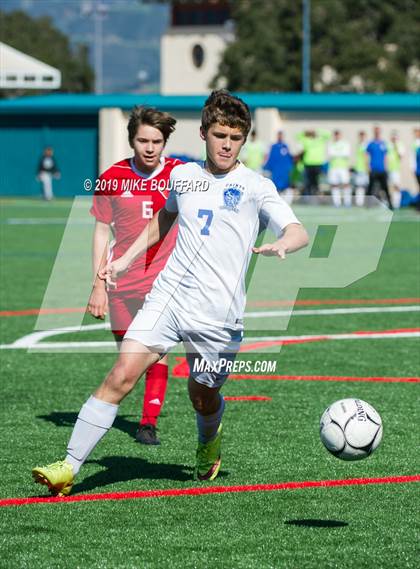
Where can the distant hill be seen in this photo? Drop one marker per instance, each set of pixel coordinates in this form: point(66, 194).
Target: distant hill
point(131, 36)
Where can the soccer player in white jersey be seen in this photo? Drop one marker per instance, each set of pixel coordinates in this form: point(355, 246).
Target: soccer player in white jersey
point(199, 297)
point(396, 152)
point(339, 170)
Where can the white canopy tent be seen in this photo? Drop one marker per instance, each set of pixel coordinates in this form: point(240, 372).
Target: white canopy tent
point(21, 71)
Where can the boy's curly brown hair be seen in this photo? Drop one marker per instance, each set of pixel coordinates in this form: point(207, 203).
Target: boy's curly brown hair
point(227, 110)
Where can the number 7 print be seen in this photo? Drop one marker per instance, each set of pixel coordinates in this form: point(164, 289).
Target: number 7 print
point(209, 214)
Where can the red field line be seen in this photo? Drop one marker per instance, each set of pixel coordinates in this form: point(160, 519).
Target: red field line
point(247, 398)
point(320, 302)
point(392, 331)
point(321, 338)
point(181, 369)
point(255, 303)
point(202, 490)
point(271, 343)
point(325, 378)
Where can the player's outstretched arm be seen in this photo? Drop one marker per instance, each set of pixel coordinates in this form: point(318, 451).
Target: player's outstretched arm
point(154, 231)
point(294, 238)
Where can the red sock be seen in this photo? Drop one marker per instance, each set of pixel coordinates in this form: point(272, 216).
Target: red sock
point(154, 393)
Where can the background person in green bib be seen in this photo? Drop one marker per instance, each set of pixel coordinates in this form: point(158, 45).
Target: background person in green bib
point(253, 153)
point(339, 170)
point(361, 169)
point(314, 156)
point(396, 151)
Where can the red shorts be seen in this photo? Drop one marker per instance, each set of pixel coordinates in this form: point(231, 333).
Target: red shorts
point(122, 309)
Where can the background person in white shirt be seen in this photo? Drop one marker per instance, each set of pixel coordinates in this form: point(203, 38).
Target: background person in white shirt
point(396, 151)
point(47, 170)
point(199, 297)
point(415, 156)
point(339, 170)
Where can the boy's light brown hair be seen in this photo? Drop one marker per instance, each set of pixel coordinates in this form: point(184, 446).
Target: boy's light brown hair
point(226, 109)
point(164, 122)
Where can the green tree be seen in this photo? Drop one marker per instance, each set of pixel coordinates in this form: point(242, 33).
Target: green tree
point(371, 46)
point(266, 53)
point(39, 38)
point(356, 45)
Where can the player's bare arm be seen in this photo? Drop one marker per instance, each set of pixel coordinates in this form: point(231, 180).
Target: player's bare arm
point(98, 301)
point(154, 232)
point(294, 238)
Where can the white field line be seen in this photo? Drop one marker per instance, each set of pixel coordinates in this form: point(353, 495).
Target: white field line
point(68, 345)
point(35, 337)
point(34, 201)
point(102, 345)
point(349, 336)
point(332, 311)
point(257, 339)
point(44, 221)
point(63, 220)
point(32, 339)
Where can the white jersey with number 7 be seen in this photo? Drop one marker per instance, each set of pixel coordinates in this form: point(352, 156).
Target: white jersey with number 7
point(218, 225)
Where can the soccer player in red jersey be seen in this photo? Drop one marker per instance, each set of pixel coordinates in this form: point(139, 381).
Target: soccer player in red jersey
point(128, 195)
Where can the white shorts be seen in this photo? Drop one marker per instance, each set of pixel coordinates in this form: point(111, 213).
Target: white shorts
point(361, 179)
point(209, 351)
point(394, 179)
point(338, 176)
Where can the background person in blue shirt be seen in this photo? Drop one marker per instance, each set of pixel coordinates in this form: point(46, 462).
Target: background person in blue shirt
point(279, 165)
point(416, 155)
point(378, 175)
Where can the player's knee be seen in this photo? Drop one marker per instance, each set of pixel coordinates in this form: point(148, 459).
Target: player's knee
point(205, 403)
point(198, 402)
point(121, 379)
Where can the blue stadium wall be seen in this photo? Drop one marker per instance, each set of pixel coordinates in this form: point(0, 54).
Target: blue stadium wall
point(22, 139)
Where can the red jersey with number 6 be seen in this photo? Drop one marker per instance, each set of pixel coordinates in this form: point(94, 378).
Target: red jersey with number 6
point(127, 199)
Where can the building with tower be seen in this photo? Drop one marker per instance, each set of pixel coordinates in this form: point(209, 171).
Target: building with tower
point(192, 47)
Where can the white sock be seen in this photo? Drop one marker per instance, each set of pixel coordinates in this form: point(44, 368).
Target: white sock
point(396, 199)
point(93, 422)
point(208, 424)
point(288, 195)
point(347, 196)
point(360, 196)
point(336, 196)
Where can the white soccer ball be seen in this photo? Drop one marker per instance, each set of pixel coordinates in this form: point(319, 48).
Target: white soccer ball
point(351, 429)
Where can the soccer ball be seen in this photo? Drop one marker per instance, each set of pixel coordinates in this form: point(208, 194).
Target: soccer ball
point(351, 429)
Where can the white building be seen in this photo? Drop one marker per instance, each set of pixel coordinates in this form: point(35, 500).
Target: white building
point(21, 71)
point(191, 49)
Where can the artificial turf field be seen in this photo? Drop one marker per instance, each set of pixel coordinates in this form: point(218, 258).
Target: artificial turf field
point(266, 442)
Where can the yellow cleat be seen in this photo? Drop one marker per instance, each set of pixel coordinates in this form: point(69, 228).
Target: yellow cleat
point(57, 476)
point(208, 458)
